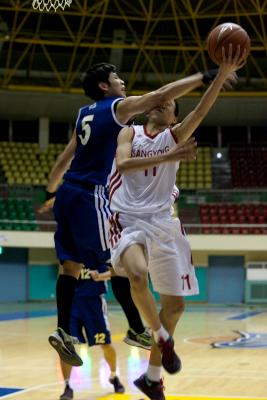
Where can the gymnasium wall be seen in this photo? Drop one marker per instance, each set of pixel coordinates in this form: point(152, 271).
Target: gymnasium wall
point(30, 273)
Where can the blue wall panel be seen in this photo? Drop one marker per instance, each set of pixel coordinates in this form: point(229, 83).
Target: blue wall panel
point(13, 274)
point(226, 279)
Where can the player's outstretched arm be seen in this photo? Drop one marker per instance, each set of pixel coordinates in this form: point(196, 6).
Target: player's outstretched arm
point(127, 164)
point(58, 170)
point(133, 105)
point(226, 73)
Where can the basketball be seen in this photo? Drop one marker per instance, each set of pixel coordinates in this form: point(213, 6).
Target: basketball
point(223, 35)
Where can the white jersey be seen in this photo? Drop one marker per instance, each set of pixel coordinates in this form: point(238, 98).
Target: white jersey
point(151, 190)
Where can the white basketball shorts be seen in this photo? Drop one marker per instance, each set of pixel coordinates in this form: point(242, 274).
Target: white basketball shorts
point(166, 247)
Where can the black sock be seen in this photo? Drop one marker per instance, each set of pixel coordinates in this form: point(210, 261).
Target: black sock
point(122, 292)
point(65, 292)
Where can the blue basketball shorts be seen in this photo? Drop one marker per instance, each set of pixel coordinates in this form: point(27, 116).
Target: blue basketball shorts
point(89, 319)
point(82, 225)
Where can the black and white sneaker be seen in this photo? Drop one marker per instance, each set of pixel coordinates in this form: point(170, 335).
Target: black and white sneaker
point(68, 393)
point(143, 340)
point(118, 386)
point(64, 345)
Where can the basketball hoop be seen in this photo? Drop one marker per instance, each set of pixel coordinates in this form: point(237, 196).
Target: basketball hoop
point(47, 5)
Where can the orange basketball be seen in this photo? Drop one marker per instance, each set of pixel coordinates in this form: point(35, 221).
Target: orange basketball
point(223, 35)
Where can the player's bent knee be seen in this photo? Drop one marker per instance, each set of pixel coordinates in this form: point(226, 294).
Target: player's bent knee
point(174, 310)
point(139, 281)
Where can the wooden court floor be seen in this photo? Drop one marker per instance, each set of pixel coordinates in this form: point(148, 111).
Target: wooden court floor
point(237, 369)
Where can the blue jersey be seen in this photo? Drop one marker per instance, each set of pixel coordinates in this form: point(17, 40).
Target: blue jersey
point(97, 130)
point(87, 286)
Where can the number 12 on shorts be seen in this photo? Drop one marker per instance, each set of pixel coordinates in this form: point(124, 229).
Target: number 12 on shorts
point(100, 338)
point(154, 171)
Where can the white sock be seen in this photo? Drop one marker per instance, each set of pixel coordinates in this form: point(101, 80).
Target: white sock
point(112, 374)
point(162, 333)
point(153, 373)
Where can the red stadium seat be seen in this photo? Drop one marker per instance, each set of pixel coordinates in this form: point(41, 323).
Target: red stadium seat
point(248, 165)
point(235, 214)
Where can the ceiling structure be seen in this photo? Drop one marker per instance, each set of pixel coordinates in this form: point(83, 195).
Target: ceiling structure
point(151, 41)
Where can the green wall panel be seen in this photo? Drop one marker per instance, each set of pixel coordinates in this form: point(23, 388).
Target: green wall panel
point(201, 274)
point(110, 295)
point(42, 282)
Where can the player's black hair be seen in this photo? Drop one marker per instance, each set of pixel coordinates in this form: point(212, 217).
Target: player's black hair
point(93, 76)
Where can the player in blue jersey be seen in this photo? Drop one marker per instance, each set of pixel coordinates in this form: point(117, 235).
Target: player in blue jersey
point(89, 312)
point(81, 207)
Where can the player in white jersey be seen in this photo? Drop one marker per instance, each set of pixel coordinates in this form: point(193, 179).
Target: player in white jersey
point(144, 237)
point(145, 191)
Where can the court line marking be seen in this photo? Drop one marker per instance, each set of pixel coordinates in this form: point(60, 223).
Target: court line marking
point(242, 316)
point(30, 389)
point(46, 385)
point(192, 372)
point(187, 396)
point(215, 339)
point(215, 336)
point(204, 397)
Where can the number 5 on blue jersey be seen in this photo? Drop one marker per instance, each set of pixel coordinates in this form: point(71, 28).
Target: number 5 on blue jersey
point(86, 129)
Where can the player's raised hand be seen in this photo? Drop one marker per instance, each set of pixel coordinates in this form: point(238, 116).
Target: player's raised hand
point(184, 151)
point(232, 61)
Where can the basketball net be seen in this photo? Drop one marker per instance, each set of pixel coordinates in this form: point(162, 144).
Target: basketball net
point(47, 5)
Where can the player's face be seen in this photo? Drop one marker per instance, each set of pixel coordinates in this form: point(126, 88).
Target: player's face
point(163, 115)
point(116, 85)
